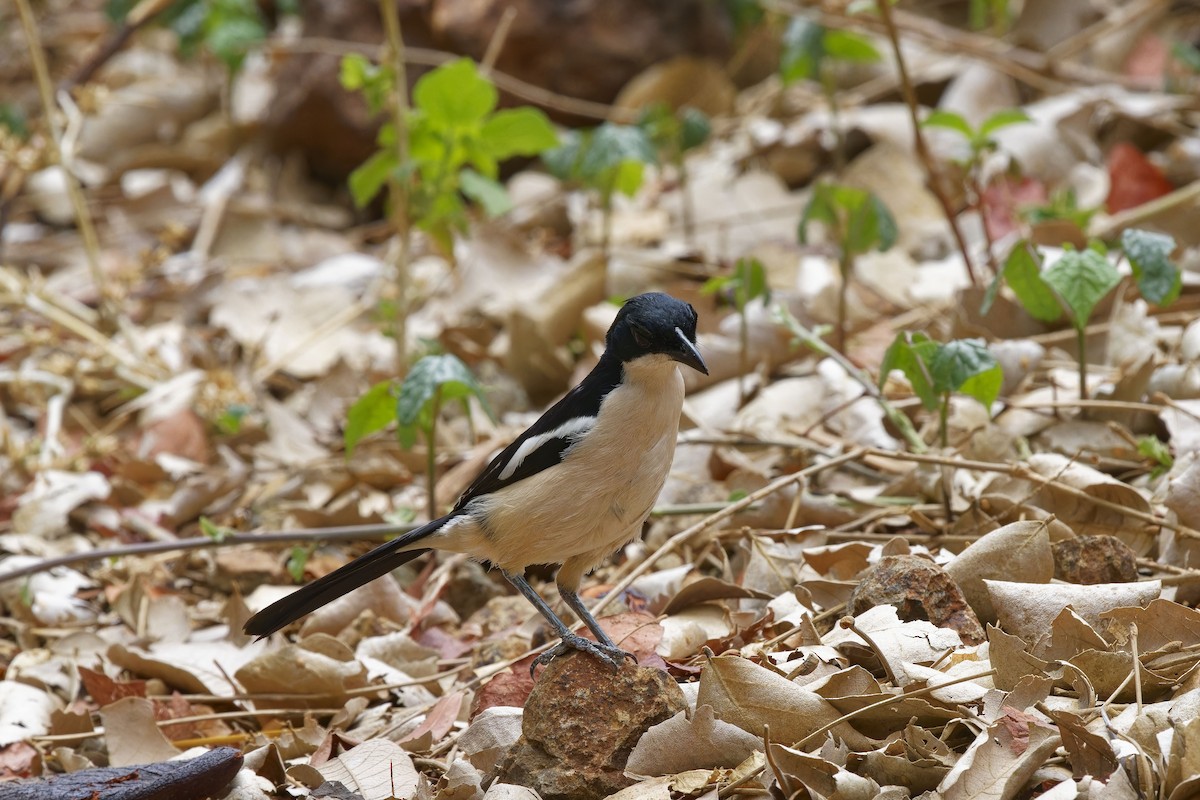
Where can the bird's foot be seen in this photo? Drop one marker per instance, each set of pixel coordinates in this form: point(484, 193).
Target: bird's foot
point(613, 656)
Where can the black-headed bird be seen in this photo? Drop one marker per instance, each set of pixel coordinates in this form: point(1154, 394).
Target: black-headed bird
point(570, 490)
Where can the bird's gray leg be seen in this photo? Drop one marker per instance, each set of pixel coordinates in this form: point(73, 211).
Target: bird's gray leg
point(581, 611)
point(570, 641)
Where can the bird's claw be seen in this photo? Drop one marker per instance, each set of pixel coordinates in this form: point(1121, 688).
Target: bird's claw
point(613, 656)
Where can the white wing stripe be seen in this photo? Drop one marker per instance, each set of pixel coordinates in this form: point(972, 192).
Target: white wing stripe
point(575, 427)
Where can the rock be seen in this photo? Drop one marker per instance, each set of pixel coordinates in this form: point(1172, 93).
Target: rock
point(919, 589)
point(1094, 559)
point(580, 724)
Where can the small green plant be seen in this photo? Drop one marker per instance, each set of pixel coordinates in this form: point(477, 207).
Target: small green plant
point(1156, 451)
point(936, 371)
point(226, 29)
point(415, 406)
point(297, 561)
point(218, 533)
point(1077, 282)
point(747, 282)
point(980, 142)
point(857, 222)
point(994, 15)
point(456, 141)
point(13, 119)
point(1063, 205)
point(673, 134)
point(607, 159)
point(811, 51)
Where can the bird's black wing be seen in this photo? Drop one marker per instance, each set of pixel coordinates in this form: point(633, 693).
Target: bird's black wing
point(545, 442)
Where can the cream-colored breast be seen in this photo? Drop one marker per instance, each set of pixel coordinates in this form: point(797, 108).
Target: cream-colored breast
point(605, 487)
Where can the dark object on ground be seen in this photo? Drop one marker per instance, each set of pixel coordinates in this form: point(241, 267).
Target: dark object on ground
point(205, 776)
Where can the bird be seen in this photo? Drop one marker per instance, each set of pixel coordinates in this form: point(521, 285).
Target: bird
point(570, 491)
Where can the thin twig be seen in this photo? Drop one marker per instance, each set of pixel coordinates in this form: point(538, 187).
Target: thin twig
point(931, 170)
point(83, 219)
point(685, 535)
point(434, 58)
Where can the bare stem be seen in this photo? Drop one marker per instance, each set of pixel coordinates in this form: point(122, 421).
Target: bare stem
point(397, 190)
point(910, 100)
point(83, 219)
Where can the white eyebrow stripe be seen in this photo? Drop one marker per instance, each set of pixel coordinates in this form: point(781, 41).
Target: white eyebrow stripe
point(573, 427)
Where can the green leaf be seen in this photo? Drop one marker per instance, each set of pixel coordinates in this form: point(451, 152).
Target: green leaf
point(483, 190)
point(518, 132)
point(1154, 448)
point(432, 380)
point(910, 353)
point(628, 177)
point(967, 366)
point(218, 533)
point(872, 227)
point(455, 94)
point(950, 121)
point(857, 219)
point(1001, 119)
point(751, 282)
point(370, 176)
point(372, 412)
point(563, 161)
point(1082, 279)
point(1187, 54)
point(231, 39)
point(353, 73)
point(803, 50)
point(694, 129)
point(611, 146)
point(297, 561)
point(1024, 275)
point(1149, 254)
point(850, 47)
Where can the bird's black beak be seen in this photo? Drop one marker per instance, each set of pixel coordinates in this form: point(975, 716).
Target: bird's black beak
point(687, 354)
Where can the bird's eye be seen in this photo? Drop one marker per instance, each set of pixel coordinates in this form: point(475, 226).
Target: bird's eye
point(640, 335)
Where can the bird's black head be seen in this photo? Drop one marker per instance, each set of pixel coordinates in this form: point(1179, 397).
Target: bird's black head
point(655, 324)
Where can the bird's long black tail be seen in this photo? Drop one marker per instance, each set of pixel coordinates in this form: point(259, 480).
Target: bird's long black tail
point(365, 568)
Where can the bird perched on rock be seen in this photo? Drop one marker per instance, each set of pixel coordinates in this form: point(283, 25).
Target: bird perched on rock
point(570, 490)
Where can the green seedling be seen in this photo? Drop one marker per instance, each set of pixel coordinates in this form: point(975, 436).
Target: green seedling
point(218, 533)
point(226, 29)
point(673, 134)
point(857, 222)
point(747, 282)
point(607, 159)
point(980, 142)
point(1080, 279)
point(415, 405)
point(456, 142)
point(297, 561)
point(1063, 205)
point(811, 51)
point(1156, 451)
point(936, 371)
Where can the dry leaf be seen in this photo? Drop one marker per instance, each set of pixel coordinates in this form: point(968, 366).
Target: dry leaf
point(1020, 548)
point(680, 744)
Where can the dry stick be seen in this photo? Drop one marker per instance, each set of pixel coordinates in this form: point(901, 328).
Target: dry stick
point(83, 220)
point(397, 188)
point(683, 536)
point(1118, 17)
point(435, 58)
point(499, 36)
point(931, 170)
point(137, 18)
point(1024, 472)
point(331, 534)
point(1111, 226)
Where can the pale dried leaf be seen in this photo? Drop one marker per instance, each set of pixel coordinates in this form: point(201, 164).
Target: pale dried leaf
point(1020, 548)
point(680, 744)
